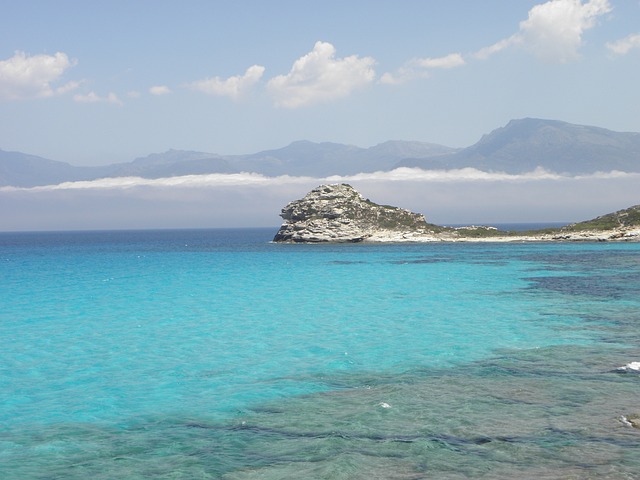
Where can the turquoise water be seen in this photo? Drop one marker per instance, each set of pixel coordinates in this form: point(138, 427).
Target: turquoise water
point(216, 354)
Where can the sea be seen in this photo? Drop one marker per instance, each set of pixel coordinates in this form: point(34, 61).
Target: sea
point(217, 354)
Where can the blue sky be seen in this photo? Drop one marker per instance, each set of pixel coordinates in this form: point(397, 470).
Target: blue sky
point(100, 82)
point(93, 83)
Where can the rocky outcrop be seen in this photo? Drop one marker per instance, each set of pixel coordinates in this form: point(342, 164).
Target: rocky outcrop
point(338, 213)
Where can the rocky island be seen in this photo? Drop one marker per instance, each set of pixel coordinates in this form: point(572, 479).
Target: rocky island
point(340, 214)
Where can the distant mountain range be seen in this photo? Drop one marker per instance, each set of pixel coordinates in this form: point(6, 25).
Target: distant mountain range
point(520, 146)
point(523, 145)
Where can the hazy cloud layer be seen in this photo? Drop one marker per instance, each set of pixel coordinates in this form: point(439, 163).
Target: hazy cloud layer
point(553, 30)
point(421, 68)
point(625, 45)
point(24, 77)
point(93, 97)
point(319, 76)
point(246, 200)
point(397, 175)
point(234, 87)
point(159, 90)
point(450, 61)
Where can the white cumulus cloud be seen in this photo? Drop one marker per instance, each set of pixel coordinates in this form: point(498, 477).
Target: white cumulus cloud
point(159, 90)
point(623, 46)
point(319, 76)
point(92, 97)
point(553, 30)
point(450, 61)
point(23, 76)
point(421, 67)
point(234, 87)
point(486, 52)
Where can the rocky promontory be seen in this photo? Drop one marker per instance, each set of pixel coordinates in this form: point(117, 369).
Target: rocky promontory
point(338, 213)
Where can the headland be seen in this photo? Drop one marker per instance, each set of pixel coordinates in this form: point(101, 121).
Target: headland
point(338, 213)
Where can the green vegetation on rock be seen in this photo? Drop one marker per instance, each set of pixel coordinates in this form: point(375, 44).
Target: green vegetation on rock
point(629, 217)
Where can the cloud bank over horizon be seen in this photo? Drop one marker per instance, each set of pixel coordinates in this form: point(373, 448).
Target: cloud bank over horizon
point(403, 174)
point(251, 200)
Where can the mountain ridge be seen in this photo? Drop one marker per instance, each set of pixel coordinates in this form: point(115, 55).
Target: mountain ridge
point(302, 157)
point(521, 146)
point(526, 144)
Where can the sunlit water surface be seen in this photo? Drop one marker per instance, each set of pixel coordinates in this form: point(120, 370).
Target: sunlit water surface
point(217, 354)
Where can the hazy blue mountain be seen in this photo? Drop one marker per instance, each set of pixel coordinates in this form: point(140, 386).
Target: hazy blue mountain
point(298, 158)
point(407, 149)
point(326, 158)
point(172, 163)
point(23, 170)
point(302, 158)
point(522, 145)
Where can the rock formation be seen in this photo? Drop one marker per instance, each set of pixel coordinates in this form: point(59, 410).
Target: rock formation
point(338, 213)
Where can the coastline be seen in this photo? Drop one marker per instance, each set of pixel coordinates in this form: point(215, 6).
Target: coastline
point(339, 214)
point(616, 235)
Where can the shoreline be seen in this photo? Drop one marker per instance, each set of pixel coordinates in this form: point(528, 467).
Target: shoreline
point(340, 214)
point(617, 235)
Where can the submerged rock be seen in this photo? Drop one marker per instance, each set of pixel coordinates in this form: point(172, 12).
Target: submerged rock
point(338, 213)
point(632, 420)
point(630, 367)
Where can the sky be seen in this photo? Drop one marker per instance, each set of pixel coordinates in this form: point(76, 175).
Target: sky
point(95, 83)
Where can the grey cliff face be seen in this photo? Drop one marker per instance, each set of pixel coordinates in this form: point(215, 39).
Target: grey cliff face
point(338, 213)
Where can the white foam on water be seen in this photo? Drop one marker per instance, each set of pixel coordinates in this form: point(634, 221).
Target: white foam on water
point(633, 366)
point(625, 421)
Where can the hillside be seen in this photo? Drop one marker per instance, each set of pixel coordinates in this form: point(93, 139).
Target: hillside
point(627, 218)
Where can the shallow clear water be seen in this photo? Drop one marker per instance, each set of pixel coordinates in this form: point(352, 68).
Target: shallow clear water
point(216, 354)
